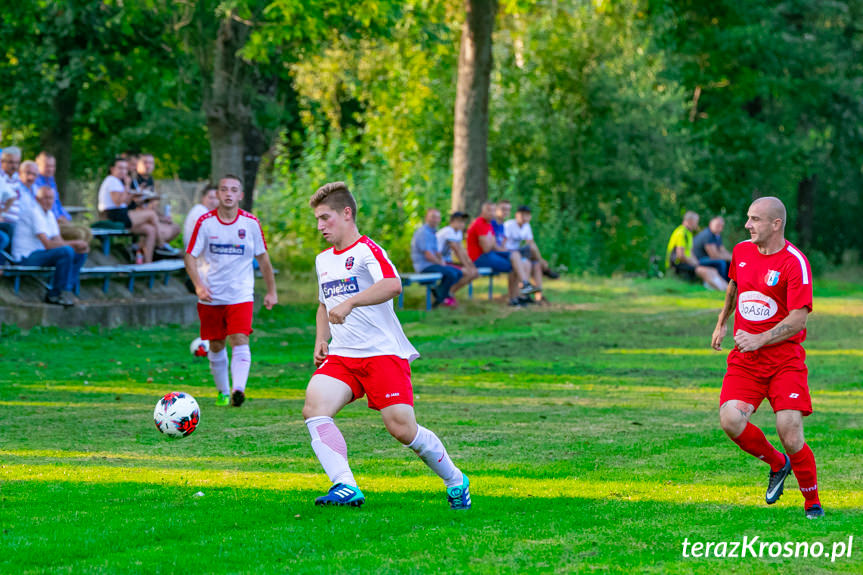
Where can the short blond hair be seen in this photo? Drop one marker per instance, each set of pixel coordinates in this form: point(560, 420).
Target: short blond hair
point(335, 195)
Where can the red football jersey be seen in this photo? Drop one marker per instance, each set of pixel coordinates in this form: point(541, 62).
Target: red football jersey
point(768, 287)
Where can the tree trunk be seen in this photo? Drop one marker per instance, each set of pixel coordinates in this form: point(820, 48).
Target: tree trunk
point(806, 210)
point(470, 150)
point(57, 139)
point(226, 108)
point(255, 143)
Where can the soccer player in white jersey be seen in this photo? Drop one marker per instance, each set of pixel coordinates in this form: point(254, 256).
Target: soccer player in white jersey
point(360, 349)
point(227, 240)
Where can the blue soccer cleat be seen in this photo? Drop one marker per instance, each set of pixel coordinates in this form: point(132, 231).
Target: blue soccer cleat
point(343, 495)
point(459, 495)
point(814, 512)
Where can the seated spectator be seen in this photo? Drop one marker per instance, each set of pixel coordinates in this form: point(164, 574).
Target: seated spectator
point(679, 256)
point(708, 249)
point(483, 250)
point(501, 214)
point(449, 243)
point(518, 236)
point(27, 174)
point(8, 216)
point(142, 186)
point(426, 258)
point(37, 242)
point(209, 202)
point(10, 158)
point(114, 198)
point(47, 165)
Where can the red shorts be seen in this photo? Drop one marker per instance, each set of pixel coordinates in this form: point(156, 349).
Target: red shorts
point(220, 321)
point(386, 379)
point(778, 373)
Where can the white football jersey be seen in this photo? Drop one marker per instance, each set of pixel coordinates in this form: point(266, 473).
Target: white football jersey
point(371, 330)
point(225, 251)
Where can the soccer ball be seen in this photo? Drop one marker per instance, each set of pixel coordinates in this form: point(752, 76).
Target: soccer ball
point(177, 414)
point(199, 347)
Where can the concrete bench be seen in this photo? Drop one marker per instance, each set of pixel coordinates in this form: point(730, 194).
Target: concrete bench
point(105, 235)
point(427, 280)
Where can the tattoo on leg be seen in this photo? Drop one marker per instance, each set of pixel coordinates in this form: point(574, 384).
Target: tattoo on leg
point(744, 408)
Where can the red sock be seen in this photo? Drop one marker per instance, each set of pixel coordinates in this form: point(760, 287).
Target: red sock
point(753, 442)
point(803, 464)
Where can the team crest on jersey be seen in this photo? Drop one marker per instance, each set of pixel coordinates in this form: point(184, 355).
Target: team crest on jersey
point(772, 278)
point(242, 233)
point(349, 263)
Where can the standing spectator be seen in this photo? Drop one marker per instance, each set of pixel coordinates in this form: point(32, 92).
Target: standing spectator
point(114, 198)
point(449, 242)
point(38, 243)
point(10, 158)
point(47, 165)
point(708, 249)
point(679, 256)
point(427, 258)
point(209, 202)
point(518, 230)
point(483, 250)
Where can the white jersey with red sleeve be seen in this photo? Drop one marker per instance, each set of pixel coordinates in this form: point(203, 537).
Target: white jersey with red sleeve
point(371, 330)
point(769, 287)
point(225, 252)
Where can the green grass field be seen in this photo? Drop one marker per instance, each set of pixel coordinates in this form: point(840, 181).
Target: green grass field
point(588, 428)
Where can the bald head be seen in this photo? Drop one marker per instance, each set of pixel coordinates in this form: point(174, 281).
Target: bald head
point(766, 224)
point(772, 208)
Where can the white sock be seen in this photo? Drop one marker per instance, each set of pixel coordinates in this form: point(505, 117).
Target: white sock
point(430, 449)
point(219, 369)
point(331, 449)
point(241, 361)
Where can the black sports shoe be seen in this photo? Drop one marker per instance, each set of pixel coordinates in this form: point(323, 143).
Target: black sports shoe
point(515, 302)
point(550, 273)
point(237, 398)
point(814, 512)
point(60, 299)
point(776, 483)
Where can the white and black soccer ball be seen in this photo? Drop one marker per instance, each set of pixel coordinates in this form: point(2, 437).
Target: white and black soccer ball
point(199, 347)
point(177, 414)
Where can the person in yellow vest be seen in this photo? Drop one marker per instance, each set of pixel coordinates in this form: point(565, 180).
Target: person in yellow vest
point(678, 255)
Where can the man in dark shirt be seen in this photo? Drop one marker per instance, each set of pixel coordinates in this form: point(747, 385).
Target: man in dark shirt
point(707, 247)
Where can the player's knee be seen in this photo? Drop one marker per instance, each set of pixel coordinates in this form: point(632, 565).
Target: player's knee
point(791, 437)
point(732, 421)
point(403, 431)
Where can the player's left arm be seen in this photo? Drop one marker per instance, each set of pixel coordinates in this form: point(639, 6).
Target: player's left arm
point(381, 291)
point(793, 324)
point(271, 298)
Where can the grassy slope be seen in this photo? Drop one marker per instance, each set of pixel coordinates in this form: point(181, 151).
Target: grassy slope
point(588, 429)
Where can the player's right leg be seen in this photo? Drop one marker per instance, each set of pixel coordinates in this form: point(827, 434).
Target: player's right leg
point(218, 356)
point(325, 397)
point(734, 418)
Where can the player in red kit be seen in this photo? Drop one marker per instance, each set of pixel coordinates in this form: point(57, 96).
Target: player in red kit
point(360, 349)
point(770, 293)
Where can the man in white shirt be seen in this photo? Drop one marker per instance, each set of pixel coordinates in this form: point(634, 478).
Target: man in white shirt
point(519, 238)
point(8, 215)
point(209, 202)
point(38, 242)
point(360, 349)
point(449, 241)
point(114, 198)
point(10, 158)
point(219, 259)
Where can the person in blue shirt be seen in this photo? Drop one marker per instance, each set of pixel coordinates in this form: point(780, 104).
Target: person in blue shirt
point(427, 258)
point(502, 212)
point(707, 247)
point(47, 165)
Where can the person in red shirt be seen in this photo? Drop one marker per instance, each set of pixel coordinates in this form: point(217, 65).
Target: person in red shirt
point(482, 248)
point(770, 293)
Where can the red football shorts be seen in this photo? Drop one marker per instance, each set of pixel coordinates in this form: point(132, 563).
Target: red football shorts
point(386, 379)
point(778, 373)
point(220, 321)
